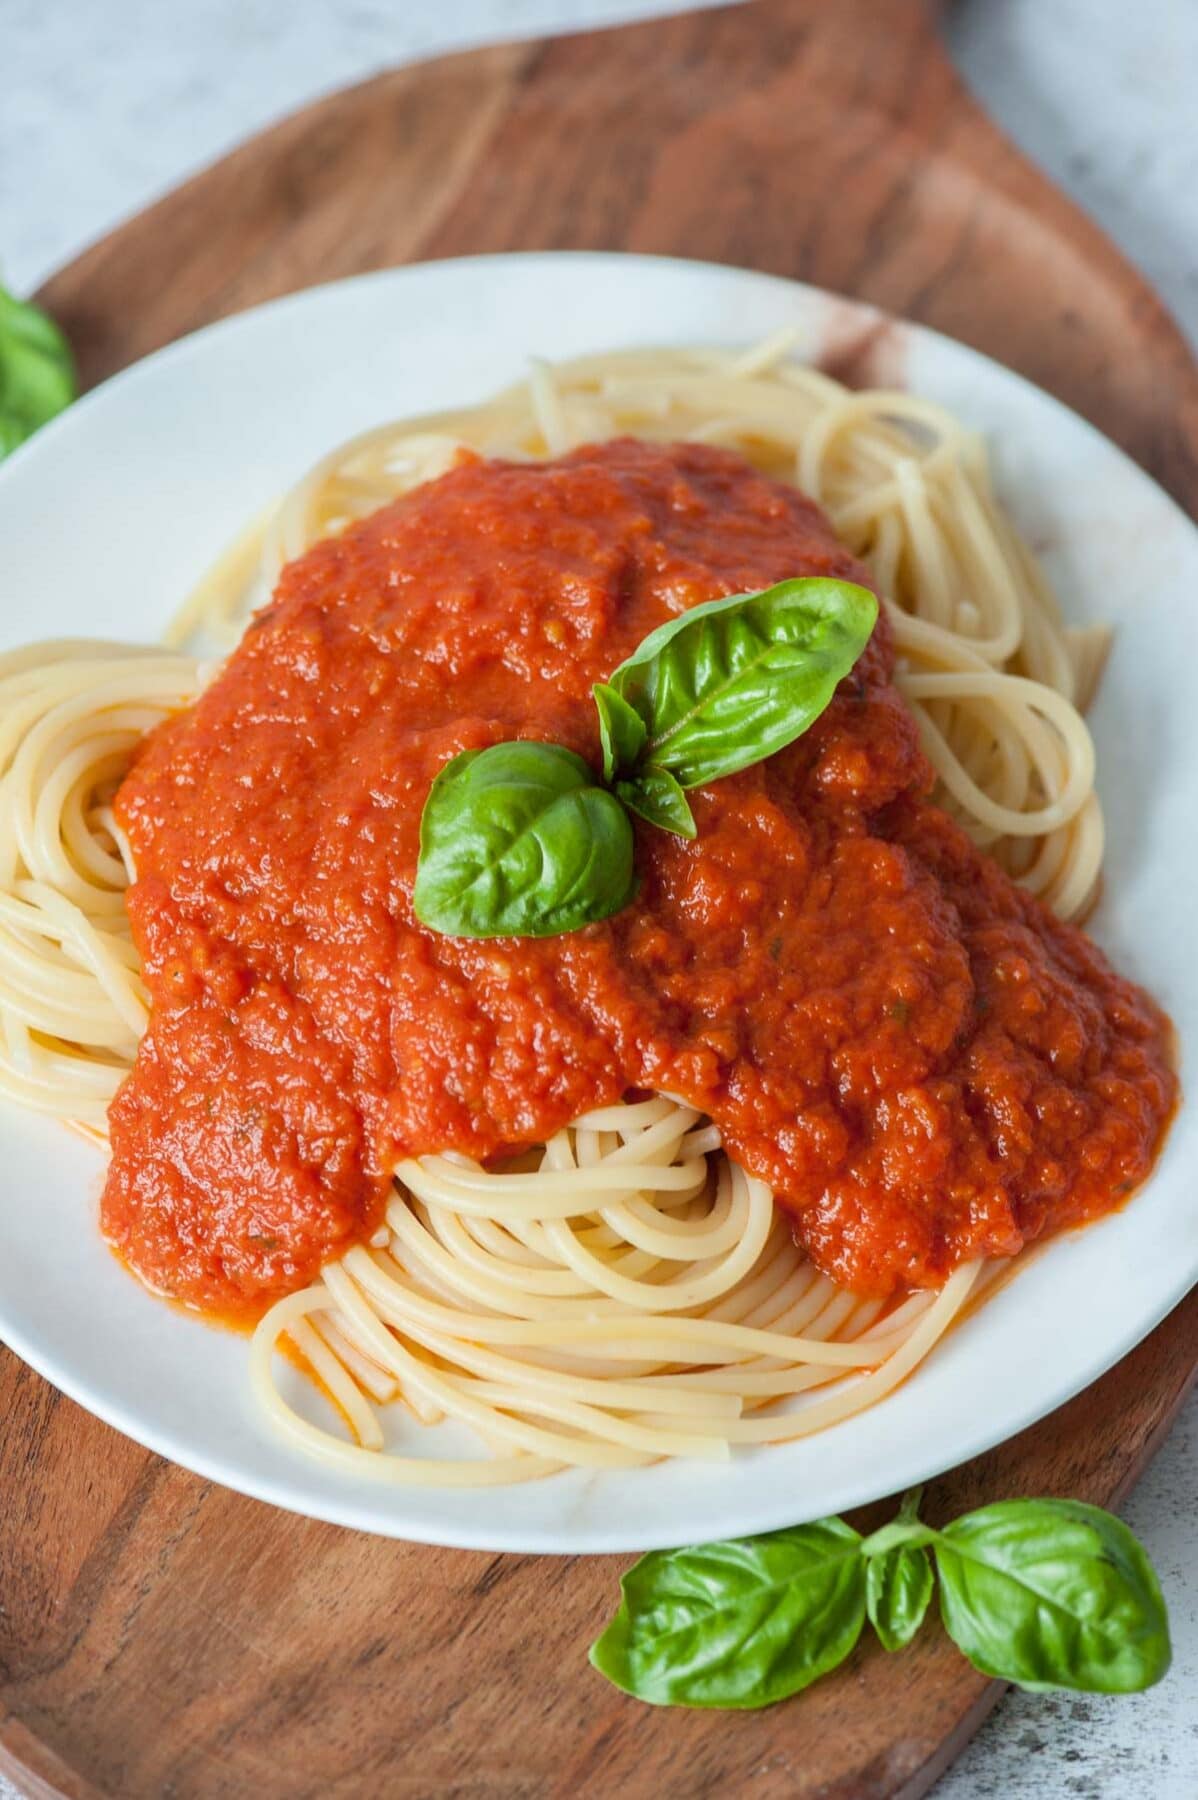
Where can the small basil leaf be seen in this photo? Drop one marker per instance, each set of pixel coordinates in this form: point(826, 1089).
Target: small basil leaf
point(1053, 1594)
point(737, 1624)
point(898, 1587)
point(732, 682)
point(622, 731)
point(518, 841)
point(37, 374)
point(657, 797)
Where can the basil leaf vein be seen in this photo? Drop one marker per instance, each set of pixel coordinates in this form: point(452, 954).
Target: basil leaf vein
point(1053, 1594)
point(737, 1624)
point(518, 841)
point(736, 680)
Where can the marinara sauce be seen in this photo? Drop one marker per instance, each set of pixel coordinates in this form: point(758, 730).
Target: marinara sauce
point(923, 1062)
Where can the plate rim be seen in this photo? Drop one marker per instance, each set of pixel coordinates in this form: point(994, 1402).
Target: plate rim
point(491, 1535)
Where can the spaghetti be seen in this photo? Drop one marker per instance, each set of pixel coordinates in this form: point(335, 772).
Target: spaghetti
point(626, 1291)
point(635, 1295)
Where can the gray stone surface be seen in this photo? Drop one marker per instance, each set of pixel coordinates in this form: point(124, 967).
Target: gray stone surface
point(103, 107)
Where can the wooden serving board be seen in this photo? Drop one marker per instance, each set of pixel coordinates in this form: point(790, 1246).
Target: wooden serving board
point(159, 1635)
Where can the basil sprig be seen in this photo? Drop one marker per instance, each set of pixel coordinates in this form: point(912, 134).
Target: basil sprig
point(37, 374)
point(1042, 1593)
point(522, 840)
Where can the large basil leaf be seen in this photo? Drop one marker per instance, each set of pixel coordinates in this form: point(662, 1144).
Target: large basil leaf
point(1053, 1594)
point(898, 1587)
point(738, 1624)
point(37, 375)
point(732, 682)
point(518, 841)
point(657, 797)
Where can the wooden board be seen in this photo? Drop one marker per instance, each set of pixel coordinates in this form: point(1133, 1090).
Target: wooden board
point(160, 1635)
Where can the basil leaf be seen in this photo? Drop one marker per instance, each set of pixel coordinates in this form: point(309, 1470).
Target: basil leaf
point(1053, 1594)
point(657, 797)
point(737, 1624)
point(621, 730)
point(518, 841)
point(37, 374)
point(732, 682)
point(898, 1587)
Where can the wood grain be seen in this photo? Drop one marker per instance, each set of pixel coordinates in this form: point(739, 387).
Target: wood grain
point(161, 1636)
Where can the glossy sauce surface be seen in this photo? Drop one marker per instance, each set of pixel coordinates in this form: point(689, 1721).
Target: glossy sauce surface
point(920, 1059)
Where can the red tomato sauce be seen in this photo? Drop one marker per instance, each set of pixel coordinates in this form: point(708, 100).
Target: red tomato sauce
point(921, 1060)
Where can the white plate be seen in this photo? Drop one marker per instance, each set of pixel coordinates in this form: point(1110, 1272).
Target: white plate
point(108, 517)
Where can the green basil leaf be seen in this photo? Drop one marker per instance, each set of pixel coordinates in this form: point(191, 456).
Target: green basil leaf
point(657, 797)
point(732, 682)
point(37, 374)
point(518, 841)
point(1053, 1594)
point(737, 1624)
point(898, 1587)
point(621, 730)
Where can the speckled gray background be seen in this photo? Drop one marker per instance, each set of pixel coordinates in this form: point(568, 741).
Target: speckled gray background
point(104, 105)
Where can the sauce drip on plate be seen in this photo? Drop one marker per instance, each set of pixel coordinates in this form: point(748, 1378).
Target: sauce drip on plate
point(923, 1063)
